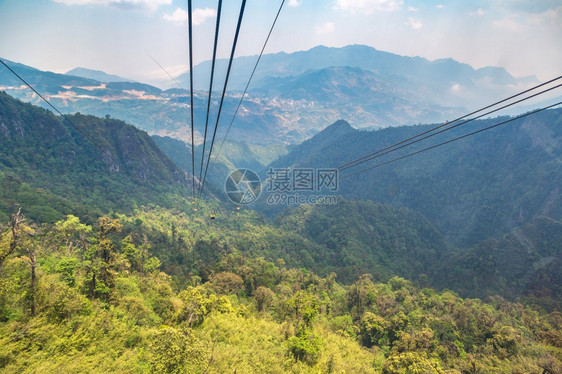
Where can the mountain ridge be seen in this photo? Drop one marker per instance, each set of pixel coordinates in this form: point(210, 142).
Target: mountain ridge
point(466, 181)
point(293, 95)
point(97, 75)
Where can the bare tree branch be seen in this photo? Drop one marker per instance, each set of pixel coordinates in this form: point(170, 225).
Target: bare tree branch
point(15, 221)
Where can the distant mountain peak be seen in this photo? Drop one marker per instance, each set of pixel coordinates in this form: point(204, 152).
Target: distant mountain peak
point(331, 133)
point(98, 75)
point(341, 126)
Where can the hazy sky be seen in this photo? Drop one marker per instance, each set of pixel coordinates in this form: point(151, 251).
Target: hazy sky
point(524, 36)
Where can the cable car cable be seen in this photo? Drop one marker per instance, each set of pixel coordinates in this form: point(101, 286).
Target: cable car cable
point(378, 88)
point(190, 36)
point(452, 140)
point(55, 109)
point(450, 122)
point(242, 7)
point(248, 84)
point(166, 71)
point(373, 156)
point(217, 28)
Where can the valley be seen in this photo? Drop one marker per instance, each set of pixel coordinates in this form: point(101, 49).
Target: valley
point(435, 247)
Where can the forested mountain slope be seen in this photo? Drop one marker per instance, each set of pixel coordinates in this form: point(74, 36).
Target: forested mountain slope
point(473, 189)
point(114, 165)
point(365, 237)
point(524, 264)
point(52, 171)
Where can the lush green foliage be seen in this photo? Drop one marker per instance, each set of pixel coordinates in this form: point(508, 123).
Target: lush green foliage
point(154, 289)
point(248, 315)
point(365, 237)
point(525, 264)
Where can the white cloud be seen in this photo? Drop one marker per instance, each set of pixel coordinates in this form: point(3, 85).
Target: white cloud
point(150, 5)
point(412, 8)
point(368, 6)
point(294, 3)
point(456, 88)
point(547, 23)
point(440, 6)
point(180, 15)
point(535, 6)
point(508, 24)
point(478, 12)
point(199, 15)
point(550, 16)
point(416, 25)
point(326, 28)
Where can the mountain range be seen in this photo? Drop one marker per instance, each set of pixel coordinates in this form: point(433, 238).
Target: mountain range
point(443, 82)
point(292, 97)
point(96, 75)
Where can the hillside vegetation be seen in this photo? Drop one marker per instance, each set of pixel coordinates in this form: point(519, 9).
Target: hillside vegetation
point(106, 267)
point(78, 298)
point(479, 187)
point(51, 168)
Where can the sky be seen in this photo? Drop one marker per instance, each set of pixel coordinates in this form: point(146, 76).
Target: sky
point(119, 36)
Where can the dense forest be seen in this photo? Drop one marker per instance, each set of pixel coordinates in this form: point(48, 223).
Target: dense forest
point(82, 298)
point(106, 267)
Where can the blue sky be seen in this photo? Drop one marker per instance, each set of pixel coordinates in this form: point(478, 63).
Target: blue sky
point(524, 36)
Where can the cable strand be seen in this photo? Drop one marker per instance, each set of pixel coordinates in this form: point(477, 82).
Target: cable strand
point(365, 159)
point(450, 122)
point(217, 27)
point(242, 7)
point(451, 140)
point(64, 116)
point(190, 35)
point(248, 84)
